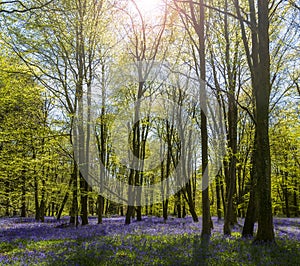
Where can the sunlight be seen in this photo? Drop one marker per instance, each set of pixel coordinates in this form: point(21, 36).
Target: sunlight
point(149, 7)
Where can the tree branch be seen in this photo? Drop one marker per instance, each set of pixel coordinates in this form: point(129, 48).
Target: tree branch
point(23, 8)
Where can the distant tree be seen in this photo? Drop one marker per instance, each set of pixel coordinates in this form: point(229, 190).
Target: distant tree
point(60, 48)
point(285, 150)
point(22, 133)
point(144, 48)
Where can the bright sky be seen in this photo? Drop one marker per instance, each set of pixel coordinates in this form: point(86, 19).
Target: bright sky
point(149, 7)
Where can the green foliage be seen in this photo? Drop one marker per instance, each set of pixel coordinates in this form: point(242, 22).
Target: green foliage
point(28, 148)
point(285, 147)
point(38, 100)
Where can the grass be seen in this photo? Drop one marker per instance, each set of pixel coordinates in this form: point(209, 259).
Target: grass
point(142, 249)
point(151, 242)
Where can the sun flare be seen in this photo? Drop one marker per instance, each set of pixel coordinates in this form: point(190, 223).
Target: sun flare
point(149, 7)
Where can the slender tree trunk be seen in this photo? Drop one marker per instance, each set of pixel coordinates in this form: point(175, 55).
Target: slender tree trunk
point(102, 142)
point(218, 195)
point(165, 209)
point(250, 219)
point(285, 193)
point(43, 203)
point(168, 165)
point(100, 204)
point(91, 203)
point(134, 176)
point(84, 200)
point(144, 135)
point(164, 174)
point(130, 208)
point(7, 193)
point(190, 201)
point(65, 199)
point(83, 137)
point(223, 195)
point(178, 204)
point(151, 197)
point(74, 208)
point(36, 198)
point(206, 219)
point(232, 134)
point(23, 194)
point(295, 198)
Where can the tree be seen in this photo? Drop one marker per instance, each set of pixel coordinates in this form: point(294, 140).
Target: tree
point(25, 139)
point(194, 14)
point(284, 142)
point(64, 61)
point(227, 81)
point(16, 6)
point(259, 65)
point(146, 42)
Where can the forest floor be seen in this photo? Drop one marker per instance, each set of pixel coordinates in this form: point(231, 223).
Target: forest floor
point(150, 242)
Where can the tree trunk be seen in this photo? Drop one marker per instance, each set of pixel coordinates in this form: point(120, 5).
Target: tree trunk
point(169, 133)
point(251, 215)
point(100, 205)
point(218, 195)
point(139, 213)
point(223, 195)
point(178, 204)
point(84, 200)
point(259, 65)
point(130, 208)
point(65, 199)
point(129, 213)
point(295, 198)
point(232, 136)
point(43, 203)
point(285, 193)
point(165, 209)
point(91, 204)
point(23, 194)
point(190, 201)
point(140, 177)
point(36, 198)
point(265, 232)
point(250, 219)
point(74, 208)
point(206, 219)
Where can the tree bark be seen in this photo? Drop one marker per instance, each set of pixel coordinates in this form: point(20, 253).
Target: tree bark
point(100, 205)
point(84, 200)
point(218, 195)
point(251, 215)
point(74, 208)
point(265, 232)
point(65, 199)
point(259, 65)
point(23, 194)
point(36, 198)
point(206, 219)
point(43, 203)
point(295, 198)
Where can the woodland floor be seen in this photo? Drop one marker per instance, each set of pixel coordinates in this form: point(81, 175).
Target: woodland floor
point(150, 242)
